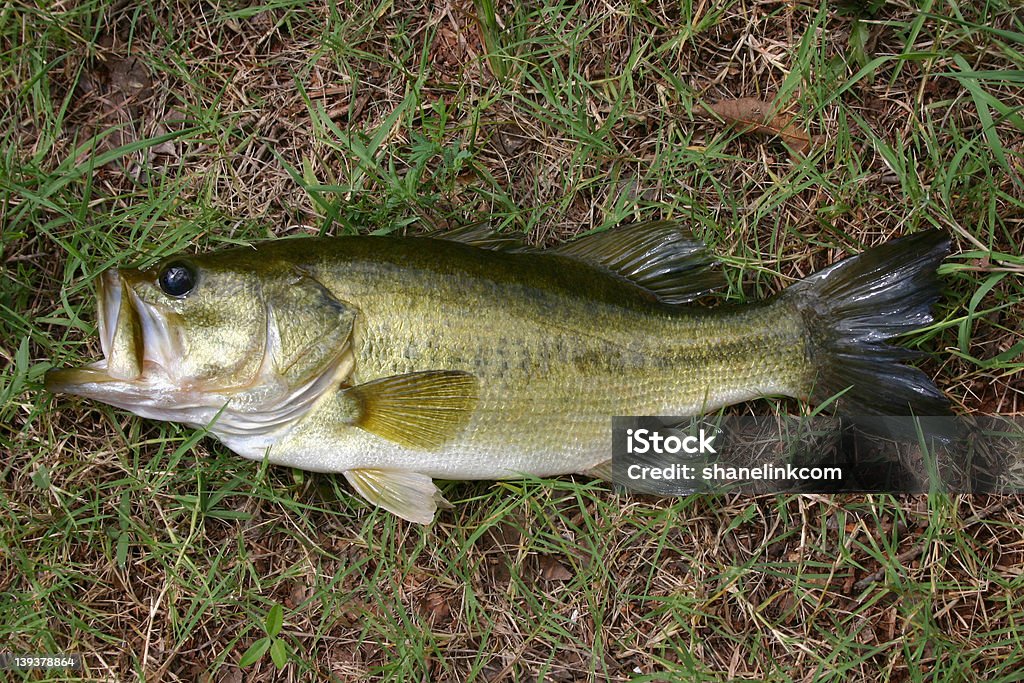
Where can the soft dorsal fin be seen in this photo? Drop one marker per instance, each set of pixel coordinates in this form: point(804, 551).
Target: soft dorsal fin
point(484, 236)
point(657, 256)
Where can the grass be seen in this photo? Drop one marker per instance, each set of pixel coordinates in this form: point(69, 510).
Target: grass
point(158, 555)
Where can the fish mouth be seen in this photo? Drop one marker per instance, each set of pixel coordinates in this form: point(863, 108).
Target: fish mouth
point(134, 337)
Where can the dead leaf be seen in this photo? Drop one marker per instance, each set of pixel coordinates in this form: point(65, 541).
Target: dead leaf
point(130, 77)
point(299, 593)
point(553, 570)
point(232, 675)
point(500, 547)
point(435, 608)
point(752, 115)
point(109, 100)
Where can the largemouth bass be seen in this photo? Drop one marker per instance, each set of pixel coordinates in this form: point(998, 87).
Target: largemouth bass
point(399, 360)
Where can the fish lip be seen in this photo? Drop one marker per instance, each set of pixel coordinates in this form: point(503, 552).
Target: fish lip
point(86, 379)
point(74, 380)
point(121, 334)
point(108, 290)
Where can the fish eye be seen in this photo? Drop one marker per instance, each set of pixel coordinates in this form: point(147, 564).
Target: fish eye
point(177, 279)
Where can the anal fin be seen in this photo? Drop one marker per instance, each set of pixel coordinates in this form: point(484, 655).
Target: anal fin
point(410, 495)
point(602, 470)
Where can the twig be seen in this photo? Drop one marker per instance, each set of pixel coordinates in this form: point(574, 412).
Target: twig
point(918, 548)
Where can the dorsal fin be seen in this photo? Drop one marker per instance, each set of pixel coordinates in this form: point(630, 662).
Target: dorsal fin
point(657, 256)
point(482, 235)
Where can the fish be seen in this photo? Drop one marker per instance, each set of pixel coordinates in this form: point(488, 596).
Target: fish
point(470, 355)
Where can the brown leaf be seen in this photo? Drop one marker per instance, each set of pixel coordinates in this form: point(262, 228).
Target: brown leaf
point(553, 570)
point(435, 607)
point(231, 675)
point(299, 593)
point(500, 547)
point(752, 115)
point(130, 77)
point(109, 99)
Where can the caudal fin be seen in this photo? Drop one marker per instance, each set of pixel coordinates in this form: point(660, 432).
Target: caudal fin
point(852, 307)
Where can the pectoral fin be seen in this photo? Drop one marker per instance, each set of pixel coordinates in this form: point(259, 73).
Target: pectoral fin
point(410, 495)
point(420, 410)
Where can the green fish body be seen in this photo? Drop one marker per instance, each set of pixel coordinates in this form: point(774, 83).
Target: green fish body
point(399, 360)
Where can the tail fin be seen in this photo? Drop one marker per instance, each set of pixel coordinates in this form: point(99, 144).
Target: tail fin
point(853, 306)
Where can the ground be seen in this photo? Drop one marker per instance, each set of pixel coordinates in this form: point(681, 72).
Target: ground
point(135, 130)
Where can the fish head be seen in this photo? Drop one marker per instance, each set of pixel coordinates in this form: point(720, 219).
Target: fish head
point(183, 324)
point(185, 337)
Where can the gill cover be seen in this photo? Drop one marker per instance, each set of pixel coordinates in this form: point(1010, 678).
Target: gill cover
point(308, 329)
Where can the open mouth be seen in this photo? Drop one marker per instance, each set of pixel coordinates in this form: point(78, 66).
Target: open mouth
point(121, 339)
point(108, 290)
point(134, 339)
point(121, 334)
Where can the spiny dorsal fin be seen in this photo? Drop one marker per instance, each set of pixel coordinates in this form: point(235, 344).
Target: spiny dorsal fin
point(484, 236)
point(410, 495)
point(418, 410)
point(657, 256)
